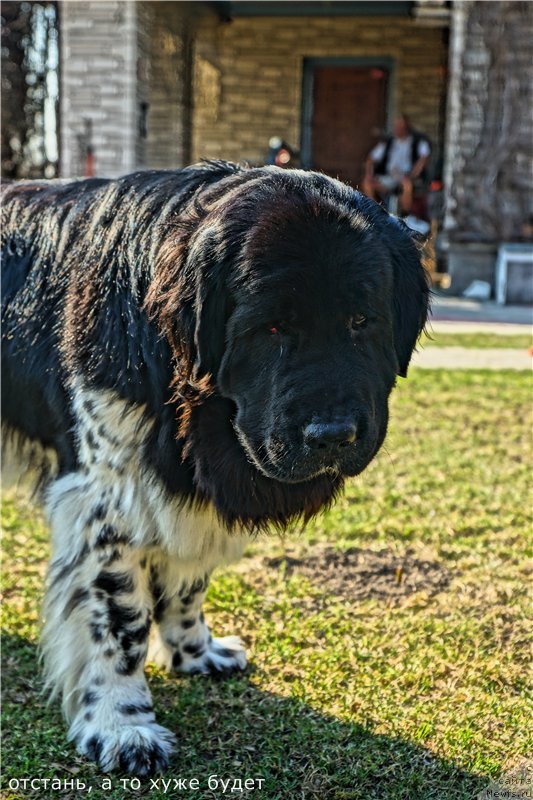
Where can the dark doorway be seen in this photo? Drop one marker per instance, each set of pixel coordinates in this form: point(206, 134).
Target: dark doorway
point(347, 112)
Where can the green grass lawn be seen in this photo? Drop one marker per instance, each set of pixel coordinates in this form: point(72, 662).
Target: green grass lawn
point(387, 641)
point(520, 341)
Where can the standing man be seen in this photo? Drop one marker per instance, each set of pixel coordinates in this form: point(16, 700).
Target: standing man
point(398, 163)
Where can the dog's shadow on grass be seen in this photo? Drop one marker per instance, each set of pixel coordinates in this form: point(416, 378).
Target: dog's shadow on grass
point(233, 730)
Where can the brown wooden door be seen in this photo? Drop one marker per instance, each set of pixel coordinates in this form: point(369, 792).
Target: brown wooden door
point(349, 111)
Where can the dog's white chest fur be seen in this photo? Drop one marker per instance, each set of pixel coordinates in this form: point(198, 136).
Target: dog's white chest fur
point(110, 434)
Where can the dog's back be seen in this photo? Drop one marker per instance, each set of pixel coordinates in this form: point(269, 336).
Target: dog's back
point(80, 248)
point(35, 234)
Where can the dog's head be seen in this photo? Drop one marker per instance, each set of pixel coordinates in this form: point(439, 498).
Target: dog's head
point(299, 301)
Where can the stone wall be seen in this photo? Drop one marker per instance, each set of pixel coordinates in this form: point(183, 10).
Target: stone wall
point(127, 67)
point(249, 75)
point(489, 174)
point(98, 83)
point(169, 95)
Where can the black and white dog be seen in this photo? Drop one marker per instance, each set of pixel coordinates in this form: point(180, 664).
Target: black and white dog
point(209, 352)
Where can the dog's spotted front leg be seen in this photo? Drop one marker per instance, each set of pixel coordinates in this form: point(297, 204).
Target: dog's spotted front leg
point(97, 622)
point(182, 640)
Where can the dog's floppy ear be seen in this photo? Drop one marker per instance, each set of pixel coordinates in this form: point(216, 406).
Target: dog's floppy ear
point(213, 302)
point(410, 303)
point(189, 299)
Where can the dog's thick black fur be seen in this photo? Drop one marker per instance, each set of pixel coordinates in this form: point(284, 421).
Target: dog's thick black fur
point(208, 352)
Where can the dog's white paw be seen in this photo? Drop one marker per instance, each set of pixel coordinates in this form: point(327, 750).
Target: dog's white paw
point(140, 750)
point(219, 657)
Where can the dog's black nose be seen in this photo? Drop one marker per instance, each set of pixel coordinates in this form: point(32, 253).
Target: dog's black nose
point(329, 435)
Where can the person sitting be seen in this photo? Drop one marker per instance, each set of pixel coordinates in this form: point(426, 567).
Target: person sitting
point(397, 165)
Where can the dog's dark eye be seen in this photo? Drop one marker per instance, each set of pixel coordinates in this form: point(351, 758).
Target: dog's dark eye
point(277, 327)
point(358, 322)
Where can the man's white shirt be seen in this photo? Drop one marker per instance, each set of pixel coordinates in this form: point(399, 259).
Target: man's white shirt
point(399, 160)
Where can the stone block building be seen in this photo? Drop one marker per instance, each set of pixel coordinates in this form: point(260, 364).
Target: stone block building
point(163, 84)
